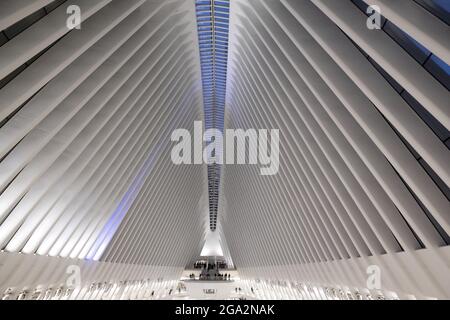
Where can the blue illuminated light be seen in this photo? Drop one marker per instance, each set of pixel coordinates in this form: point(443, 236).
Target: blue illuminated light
point(114, 221)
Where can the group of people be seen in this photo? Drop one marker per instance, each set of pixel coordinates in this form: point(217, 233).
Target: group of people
point(203, 264)
point(215, 276)
point(211, 272)
point(200, 265)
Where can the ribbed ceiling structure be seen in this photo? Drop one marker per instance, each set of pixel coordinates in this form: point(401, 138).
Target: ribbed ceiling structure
point(364, 154)
point(86, 117)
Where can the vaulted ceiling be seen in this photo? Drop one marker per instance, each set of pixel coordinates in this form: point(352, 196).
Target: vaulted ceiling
point(361, 101)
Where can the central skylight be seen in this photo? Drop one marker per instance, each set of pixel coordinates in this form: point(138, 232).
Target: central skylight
point(213, 26)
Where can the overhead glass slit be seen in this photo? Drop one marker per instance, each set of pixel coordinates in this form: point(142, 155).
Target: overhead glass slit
point(213, 27)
